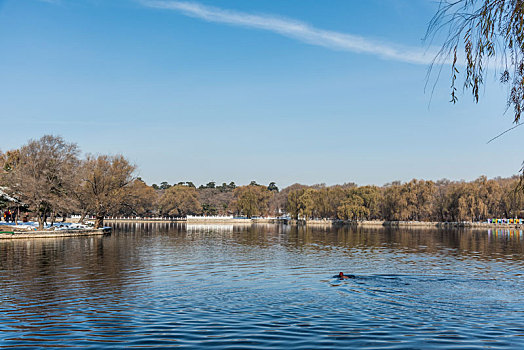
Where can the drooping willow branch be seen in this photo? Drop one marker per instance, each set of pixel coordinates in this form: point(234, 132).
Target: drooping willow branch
point(480, 34)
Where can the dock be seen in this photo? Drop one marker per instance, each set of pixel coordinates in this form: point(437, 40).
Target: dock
point(53, 234)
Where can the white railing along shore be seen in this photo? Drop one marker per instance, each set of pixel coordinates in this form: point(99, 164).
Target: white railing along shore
point(215, 217)
point(142, 218)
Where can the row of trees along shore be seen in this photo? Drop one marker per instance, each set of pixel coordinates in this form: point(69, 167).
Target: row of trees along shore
point(50, 180)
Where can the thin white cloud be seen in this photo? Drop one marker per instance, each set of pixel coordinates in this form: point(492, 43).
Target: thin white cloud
point(297, 30)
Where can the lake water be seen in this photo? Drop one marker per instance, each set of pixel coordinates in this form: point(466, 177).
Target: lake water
point(264, 286)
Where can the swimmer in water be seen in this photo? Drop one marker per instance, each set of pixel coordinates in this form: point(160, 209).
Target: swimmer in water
point(341, 276)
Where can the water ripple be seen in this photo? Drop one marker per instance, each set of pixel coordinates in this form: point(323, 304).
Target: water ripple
point(263, 287)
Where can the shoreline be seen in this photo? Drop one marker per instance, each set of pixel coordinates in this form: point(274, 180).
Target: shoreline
point(54, 234)
point(329, 222)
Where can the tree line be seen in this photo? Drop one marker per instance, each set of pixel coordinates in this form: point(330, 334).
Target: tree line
point(49, 179)
point(416, 200)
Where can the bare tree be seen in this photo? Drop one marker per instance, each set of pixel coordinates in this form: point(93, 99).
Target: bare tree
point(215, 200)
point(140, 199)
point(43, 176)
point(252, 200)
point(180, 200)
point(105, 182)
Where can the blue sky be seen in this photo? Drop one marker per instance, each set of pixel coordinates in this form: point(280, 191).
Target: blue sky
point(288, 91)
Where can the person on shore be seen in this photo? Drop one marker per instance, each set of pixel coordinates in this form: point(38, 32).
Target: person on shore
point(341, 276)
